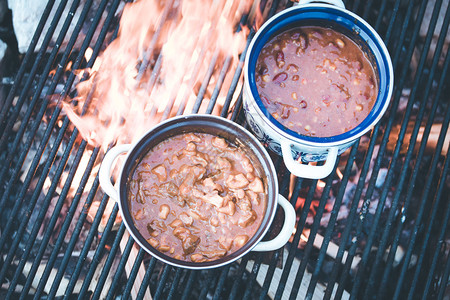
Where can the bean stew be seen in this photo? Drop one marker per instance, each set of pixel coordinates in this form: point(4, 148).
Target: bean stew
point(196, 197)
point(316, 81)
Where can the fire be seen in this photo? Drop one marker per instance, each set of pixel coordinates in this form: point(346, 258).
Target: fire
point(151, 71)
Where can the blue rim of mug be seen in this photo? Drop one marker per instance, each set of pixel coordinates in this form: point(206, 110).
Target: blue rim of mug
point(339, 18)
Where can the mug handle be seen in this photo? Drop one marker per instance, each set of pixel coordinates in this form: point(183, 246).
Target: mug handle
point(308, 171)
point(338, 3)
point(288, 227)
point(104, 173)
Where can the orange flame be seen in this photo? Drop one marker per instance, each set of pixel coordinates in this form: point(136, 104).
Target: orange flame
point(164, 49)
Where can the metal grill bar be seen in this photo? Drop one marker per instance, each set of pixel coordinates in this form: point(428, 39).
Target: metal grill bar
point(411, 148)
point(403, 175)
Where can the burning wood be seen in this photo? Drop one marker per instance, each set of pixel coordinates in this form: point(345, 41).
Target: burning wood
point(151, 70)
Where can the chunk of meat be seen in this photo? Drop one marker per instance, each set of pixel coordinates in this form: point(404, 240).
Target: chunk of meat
point(238, 181)
point(181, 232)
point(186, 219)
point(219, 143)
point(186, 186)
point(254, 198)
point(244, 204)
point(190, 243)
point(229, 209)
point(240, 240)
point(160, 172)
point(247, 164)
point(247, 219)
point(169, 188)
point(212, 198)
point(192, 137)
point(225, 242)
point(256, 185)
point(209, 185)
point(223, 164)
point(214, 253)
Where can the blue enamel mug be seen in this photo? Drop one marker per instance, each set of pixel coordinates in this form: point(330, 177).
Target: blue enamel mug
point(298, 150)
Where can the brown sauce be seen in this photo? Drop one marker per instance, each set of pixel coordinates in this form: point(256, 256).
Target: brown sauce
point(316, 81)
point(196, 197)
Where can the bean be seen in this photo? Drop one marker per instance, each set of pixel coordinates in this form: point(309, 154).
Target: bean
point(266, 78)
point(285, 112)
point(164, 211)
point(292, 68)
point(340, 43)
point(186, 219)
point(294, 95)
point(176, 223)
point(139, 214)
point(307, 128)
point(303, 40)
point(265, 100)
point(303, 104)
point(197, 257)
point(280, 77)
point(164, 248)
point(153, 242)
point(263, 70)
point(302, 43)
point(359, 107)
point(295, 78)
point(279, 58)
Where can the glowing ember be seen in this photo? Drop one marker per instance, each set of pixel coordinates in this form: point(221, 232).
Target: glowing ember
point(149, 72)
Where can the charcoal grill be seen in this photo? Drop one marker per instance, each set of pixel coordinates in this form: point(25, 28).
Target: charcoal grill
point(394, 182)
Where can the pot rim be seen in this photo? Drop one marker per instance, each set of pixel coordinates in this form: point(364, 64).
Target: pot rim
point(170, 125)
point(342, 17)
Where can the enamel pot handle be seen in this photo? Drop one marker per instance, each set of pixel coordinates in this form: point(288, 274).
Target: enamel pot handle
point(288, 227)
point(308, 171)
point(338, 3)
point(105, 170)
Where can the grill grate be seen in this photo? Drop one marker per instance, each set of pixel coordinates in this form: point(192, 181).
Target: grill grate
point(394, 188)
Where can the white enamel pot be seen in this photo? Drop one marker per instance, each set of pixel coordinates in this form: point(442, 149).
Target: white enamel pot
point(224, 128)
point(293, 147)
